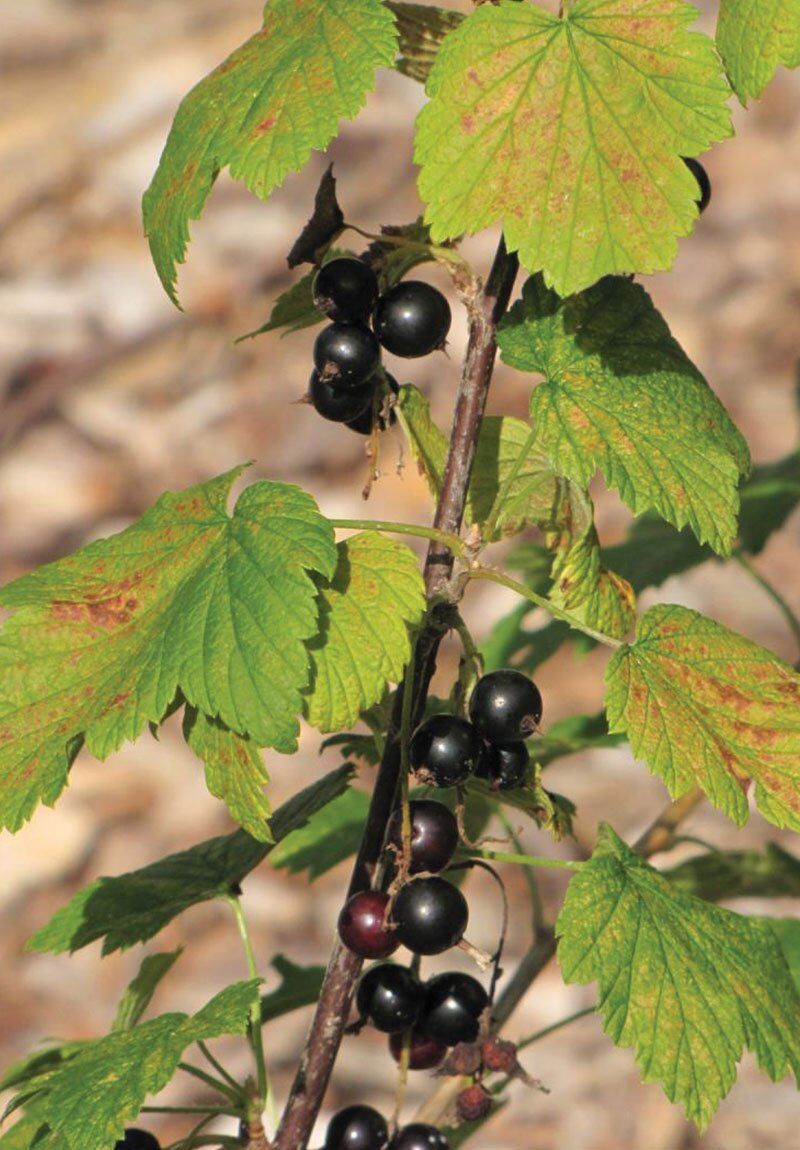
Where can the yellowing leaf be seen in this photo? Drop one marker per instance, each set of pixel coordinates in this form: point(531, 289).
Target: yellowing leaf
point(754, 37)
point(188, 597)
point(262, 112)
point(375, 595)
point(705, 706)
point(620, 395)
point(686, 984)
point(235, 771)
point(570, 131)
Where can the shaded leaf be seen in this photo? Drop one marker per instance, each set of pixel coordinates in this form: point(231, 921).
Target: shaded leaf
point(329, 837)
point(375, 595)
point(686, 984)
point(325, 225)
point(755, 38)
point(235, 771)
point(264, 110)
point(721, 875)
point(393, 261)
point(620, 395)
point(300, 986)
point(135, 906)
point(139, 994)
point(573, 735)
point(422, 28)
point(705, 706)
point(570, 131)
point(188, 598)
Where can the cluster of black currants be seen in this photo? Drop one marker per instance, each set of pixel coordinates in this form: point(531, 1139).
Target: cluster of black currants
point(504, 710)
point(412, 319)
point(134, 1139)
point(362, 1128)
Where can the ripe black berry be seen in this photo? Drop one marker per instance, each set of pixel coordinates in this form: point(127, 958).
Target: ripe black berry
point(363, 423)
point(453, 1006)
point(419, 1136)
point(430, 915)
point(361, 925)
point(346, 290)
point(390, 996)
point(138, 1140)
point(703, 182)
point(434, 835)
point(339, 404)
point(357, 1128)
point(506, 706)
point(423, 1053)
point(505, 766)
point(412, 319)
point(346, 354)
point(445, 749)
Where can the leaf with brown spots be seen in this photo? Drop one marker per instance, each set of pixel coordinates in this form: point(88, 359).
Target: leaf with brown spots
point(261, 113)
point(704, 706)
point(569, 131)
point(375, 596)
point(235, 771)
point(188, 598)
point(754, 37)
point(620, 395)
point(688, 985)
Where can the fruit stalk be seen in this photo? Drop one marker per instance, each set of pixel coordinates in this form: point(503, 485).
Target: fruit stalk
point(330, 1017)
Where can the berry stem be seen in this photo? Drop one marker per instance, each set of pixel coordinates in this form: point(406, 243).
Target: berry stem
point(255, 1033)
point(452, 542)
point(537, 908)
point(529, 860)
point(494, 576)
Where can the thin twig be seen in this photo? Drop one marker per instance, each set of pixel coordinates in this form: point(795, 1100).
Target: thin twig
point(773, 592)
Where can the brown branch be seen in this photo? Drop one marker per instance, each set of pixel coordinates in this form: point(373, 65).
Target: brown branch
point(332, 1010)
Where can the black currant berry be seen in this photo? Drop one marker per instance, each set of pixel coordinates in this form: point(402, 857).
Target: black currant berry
point(424, 1052)
point(419, 1136)
point(453, 1007)
point(505, 766)
point(339, 404)
point(506, 706)
point(446, 750)
point(390, 996)
point(361, 925)
point(346, 354)
point(703, 182)
point(346, 290)
point(412, 319)
point(138, 1140)
point(430, 915)
point(357, 1128)
point(434, 835)
point(363, 424)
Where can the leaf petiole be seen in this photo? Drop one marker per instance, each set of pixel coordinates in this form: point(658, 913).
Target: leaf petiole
point(452, 542)
point(527, 860)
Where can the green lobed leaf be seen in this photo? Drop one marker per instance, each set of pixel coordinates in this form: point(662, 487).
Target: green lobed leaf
point(570, 132)
point(375, 595)
point(686, 984)
point(705, 706)
point(421, 28)
point(30, 1133)
point(235, 771)
point(139, 994)
point(264, 110)
point(299, 986)
point(620, 395)
point(754, 37)
point(769, 496)
point(717, 875)
point(90, 1099)
point(188, 597)
point(133, 907)
point(788, 933)
point(329, 837)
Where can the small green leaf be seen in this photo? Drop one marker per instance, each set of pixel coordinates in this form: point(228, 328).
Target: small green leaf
point(620, 395)
point(133, 907)
point(235, 771)
point(139, 993)
point(293, 310)
point(329, 837)
point(754, 38)
point(261, 113)
point(428, 442)
point(300, 986)
point(30, 1133)
point(788, 934)
point(705, 706)
point(769, 497)
point(91, 1098)
point(375, 595)
point(188, 598)
point(570, 131)
point(686, 984)
point(739, 874)
point(422, 28)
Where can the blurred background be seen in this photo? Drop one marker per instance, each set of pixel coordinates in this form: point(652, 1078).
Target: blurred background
point(108, 396)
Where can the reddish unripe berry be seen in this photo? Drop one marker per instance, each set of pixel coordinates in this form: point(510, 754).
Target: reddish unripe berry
point(424, 1052)
point(362, 925)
